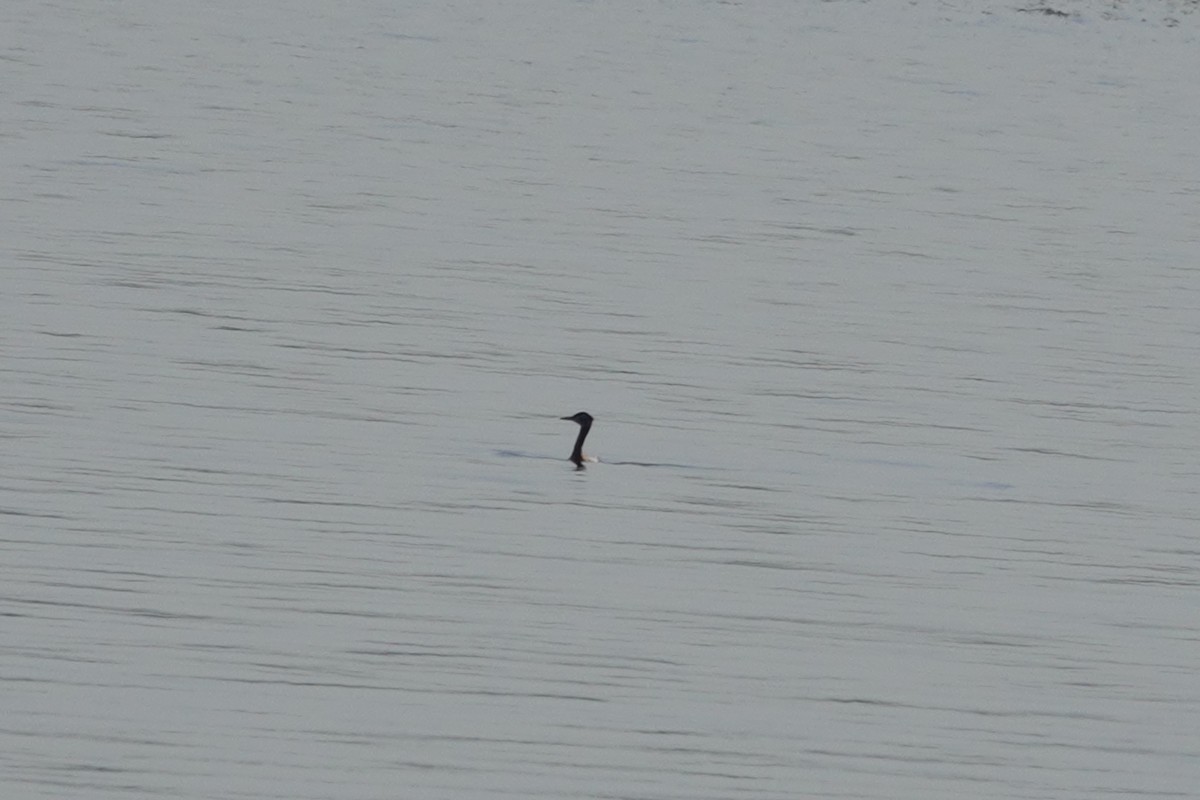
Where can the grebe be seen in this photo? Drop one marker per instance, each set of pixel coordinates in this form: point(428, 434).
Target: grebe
point(585, 424)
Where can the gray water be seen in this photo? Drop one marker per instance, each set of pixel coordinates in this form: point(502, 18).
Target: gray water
point(888, 315)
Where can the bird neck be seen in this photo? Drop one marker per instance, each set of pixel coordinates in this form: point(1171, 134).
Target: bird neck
point(577, 453)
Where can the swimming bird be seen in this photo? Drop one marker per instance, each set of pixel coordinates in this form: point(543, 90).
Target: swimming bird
point(585, 424)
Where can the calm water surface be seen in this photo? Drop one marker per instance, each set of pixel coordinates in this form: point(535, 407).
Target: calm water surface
point(890, 316)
